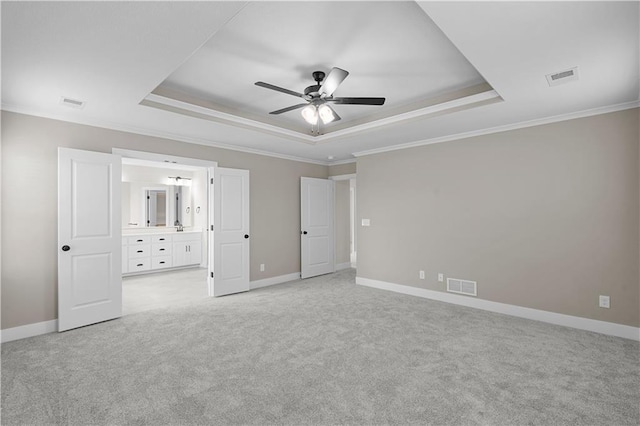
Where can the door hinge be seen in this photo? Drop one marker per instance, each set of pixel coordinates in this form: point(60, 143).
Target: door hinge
point(211, 181)
point(212, 275)
point(212, 227)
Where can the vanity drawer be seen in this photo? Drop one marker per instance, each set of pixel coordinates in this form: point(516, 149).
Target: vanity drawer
point(160, 239)
point(143, 239)
point(136, 265)
point(161, 250)
point(142, 250)
point(161, 262)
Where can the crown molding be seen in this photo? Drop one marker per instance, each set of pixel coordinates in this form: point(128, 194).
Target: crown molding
point(189, 109)
point(104, 124)
point(504, 128)
point(339, 162)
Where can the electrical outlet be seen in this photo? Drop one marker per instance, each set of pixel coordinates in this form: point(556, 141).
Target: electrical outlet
point(422, 275)
point(262, 267)
point(605, 302)
point(441, 278)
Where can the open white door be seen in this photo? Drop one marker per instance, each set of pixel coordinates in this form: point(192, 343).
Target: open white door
point(89, 238)
point(317, 234)
point(231, 231)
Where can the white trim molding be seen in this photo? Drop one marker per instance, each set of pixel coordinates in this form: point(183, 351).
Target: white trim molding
point(505, 128)
point(274, 280)
point(29, 330)
point(603, 327)
point(104, 124)
point(343, 177)
point(208, 113)
point(341, 266)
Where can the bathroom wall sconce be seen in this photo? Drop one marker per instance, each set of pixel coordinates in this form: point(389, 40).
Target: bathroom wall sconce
point(179, 181)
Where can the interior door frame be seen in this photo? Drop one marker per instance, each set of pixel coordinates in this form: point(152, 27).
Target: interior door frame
point(172, 159)
point(351, 177)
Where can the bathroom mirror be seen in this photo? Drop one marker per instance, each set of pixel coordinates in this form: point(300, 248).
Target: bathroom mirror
point(156, 207)
point(153, 197)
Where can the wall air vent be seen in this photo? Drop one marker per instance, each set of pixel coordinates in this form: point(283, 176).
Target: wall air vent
point(470, 288)
point(73, 103)
point(562, 77)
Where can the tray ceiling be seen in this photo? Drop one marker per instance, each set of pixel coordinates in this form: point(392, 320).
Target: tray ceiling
point(449, 70)
point(391, 49)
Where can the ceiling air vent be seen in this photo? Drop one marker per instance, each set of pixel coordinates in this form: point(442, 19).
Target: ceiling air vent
point(73, 103)
point(470, 288)
point(563, 76)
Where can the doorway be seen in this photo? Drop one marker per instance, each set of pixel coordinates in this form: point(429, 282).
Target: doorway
point(165, 248)
point(345, 219)
point(90, 233)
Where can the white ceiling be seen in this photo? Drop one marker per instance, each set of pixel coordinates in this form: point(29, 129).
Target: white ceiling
point(113, 55)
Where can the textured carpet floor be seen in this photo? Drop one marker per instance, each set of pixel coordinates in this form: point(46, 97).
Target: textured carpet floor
point(321, 351)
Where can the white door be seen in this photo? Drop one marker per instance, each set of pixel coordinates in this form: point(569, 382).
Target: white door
point(317, 234)
point(231, 231)
point(89, 238)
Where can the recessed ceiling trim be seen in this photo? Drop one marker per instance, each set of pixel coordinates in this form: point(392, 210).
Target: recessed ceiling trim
point(454, 105)
point(505, 128)
point(197, 111)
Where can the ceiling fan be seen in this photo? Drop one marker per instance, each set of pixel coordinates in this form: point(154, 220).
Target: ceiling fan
point(319, 95)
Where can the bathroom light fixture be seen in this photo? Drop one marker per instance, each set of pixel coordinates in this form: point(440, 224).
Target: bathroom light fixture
point(310, 114)
point(180, 181)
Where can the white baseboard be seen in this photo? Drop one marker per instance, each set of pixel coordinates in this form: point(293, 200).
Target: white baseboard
point(274, 280)
point(341, 266)
point(603, 327)
point(29, 330)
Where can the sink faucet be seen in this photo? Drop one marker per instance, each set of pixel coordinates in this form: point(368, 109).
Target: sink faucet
point(179, 227)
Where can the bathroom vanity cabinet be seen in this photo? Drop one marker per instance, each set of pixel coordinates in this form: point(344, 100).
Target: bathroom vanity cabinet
point(151, 252)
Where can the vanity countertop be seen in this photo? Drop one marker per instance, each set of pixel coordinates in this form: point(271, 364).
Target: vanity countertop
point(151, 231)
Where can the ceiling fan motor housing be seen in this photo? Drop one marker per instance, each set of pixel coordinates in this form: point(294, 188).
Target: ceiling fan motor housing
point(312, 90)
point(318, 76)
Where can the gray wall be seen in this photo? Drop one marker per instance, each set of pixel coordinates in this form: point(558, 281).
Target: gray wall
point(544, 217)
point(342, 169)
point(29, 206)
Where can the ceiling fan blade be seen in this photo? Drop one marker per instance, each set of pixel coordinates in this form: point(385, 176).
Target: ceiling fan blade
point(357, 101)
point(279, 89)
point(291, 108)
point(333, 80)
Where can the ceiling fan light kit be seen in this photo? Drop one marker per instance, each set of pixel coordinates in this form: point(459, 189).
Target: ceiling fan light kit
point(318, 95)
point(326, 114)
point(310, 114)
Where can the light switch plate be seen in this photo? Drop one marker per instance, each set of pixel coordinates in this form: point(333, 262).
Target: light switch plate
point(366, 222)
point(604, 302)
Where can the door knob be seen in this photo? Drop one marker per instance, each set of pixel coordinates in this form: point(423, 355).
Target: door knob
point(304, 232)
point(246, 235)
point(66, 248)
